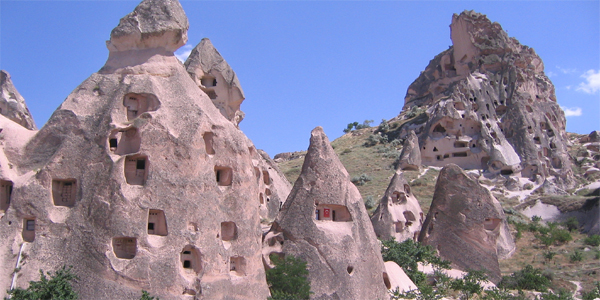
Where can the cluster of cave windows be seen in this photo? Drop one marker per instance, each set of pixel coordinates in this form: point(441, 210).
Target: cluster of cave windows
point(64, 192)
point(332, 212)
point(6, 188)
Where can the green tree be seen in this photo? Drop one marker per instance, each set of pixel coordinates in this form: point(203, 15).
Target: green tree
point(288, 280)
point(58, 287)
point(529, 278)
point(408, 254)
point(470, 284)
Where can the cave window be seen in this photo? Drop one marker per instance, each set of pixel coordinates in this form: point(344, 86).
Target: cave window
point(439, 128)
point(137, 104)
point(224, 176)
point(446, 155)
point(536, 140)
point(506, 172)
point(28, 229)
point(125, 247)
point(459, 154)
point(435, 149)
point(237, 265)
point(491, 223)
point(459, 144)
point(157, 222)
point(228, 231)
point(208, 142)
point(190, 258)
point(439, 157)
point(136, 169)
point(266, 178)
point(5, 194)
point(64, 192)
point(386, 281)
point(113, 144)
point(332, 212)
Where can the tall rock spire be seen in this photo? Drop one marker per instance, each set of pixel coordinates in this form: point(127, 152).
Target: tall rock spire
point(324, 222)
point(139, 182)
point(489, 106)
point(12, 104)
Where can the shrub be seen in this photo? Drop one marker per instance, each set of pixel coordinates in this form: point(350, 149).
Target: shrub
point(365, 124)
point(593, 294)
point(529, 278)
point(470, 284)
point(576, 256)
point(572, 224)
point(592, 240)
point(288, 280)
point(360, 180)
point(408, 254)
point(146, 296)
point(536, 219)
point(561, 235)
point(375, 139)
point(562, 294)
point(502, 294)
point(549, 255)
point(383, 126)
point(369, 202)
point(57, 287)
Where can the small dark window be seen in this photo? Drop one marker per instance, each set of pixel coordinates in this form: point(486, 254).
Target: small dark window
point(215, 82)
point(218, 175)
point(113, 143)
point(187, 252)
point(30, 225)
point(141, 164)
point(150, 226)
point(186, 263)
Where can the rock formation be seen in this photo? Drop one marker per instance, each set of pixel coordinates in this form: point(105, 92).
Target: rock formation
point(215, 77)
point(489, 105)
point(398, 279)
point(137, 180)
point(466, 224)
point(12, 104)
point(410, 157)
point(325, 223)
point(274, 187)
point(398, 214)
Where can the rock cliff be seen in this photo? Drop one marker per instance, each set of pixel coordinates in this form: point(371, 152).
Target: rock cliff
point(325, 223)
point(489, 106)
point(466, 224)
point(138, 181)
point(12, 104)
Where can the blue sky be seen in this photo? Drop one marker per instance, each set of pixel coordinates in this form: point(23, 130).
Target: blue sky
point(304, 64)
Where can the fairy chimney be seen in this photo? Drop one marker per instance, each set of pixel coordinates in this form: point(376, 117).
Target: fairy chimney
point(325, 223)
point(12, 104)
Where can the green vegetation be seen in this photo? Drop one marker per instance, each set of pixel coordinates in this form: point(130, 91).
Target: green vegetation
point(529, 278)
point(361, 180)
point(470, 284)
point(356, 125)
point(592, 240)
point(593, 294)
point(55, 288)
point(146, 296)
point(288, 280)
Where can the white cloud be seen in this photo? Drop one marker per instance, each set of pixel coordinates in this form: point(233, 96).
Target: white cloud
point(572, 111)
point(569, 87)
point(592, 84)
point(566, 70)
point(551, 74)
point(183, 52)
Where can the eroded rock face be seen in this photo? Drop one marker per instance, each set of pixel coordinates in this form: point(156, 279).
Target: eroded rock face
point(12, 104)
point(273, 185)
point(325, 223)
point(138, 182)
point(466, 224)
point(410, 158)
point(215, 77)
point(489, 106)
point(398, 214)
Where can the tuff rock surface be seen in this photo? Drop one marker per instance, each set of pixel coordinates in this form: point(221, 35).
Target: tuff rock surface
point(12, 104)
point(274, 187)
point(398, 214)
point(137, 180)
point(489, 105)
point(410, 157)
point(466, 224)
point(325, 223)
point(215, 77)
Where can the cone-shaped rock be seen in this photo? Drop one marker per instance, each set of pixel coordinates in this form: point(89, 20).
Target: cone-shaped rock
point(410, 157)
point(138, 181)
point(466, 224)
point(324, 222)
point(398, 214)
point(12, 104)
point(215, 77)
point(489, 106)
point(273, 185)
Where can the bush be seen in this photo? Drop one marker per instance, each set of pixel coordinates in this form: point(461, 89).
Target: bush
point(360, 180)
point(365, 124)
point(470, 284)
point(369, 202)
point(593, 294)
point(592, 240)
point(288, 280)
point(529, 278)
point(146, 296)
point(408, 254)
point(57, 287)
point(576, 256)
point(549, 255)
point(572, 224)
point(384, 126)
point(561, 235)
point(375, 139)
point(562, 294)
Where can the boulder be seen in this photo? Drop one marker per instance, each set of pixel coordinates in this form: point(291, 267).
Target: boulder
point(138, 181)
point(325, 223)
point(398, 279)
point(489, 106)
point(398, 214)
point(215, 77)
point(410, 157)
point(594, 136)
point(12, 104)
point(466, 224)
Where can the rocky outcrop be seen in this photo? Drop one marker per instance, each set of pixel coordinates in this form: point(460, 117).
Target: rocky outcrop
point(215, 77)
point(274, 186)
point(325, 223)
point(138, 181)
point(410, 157)
point(398, 279)
point(398, 214)
point(12, 104)
point(489, 106)
point(466, 224)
